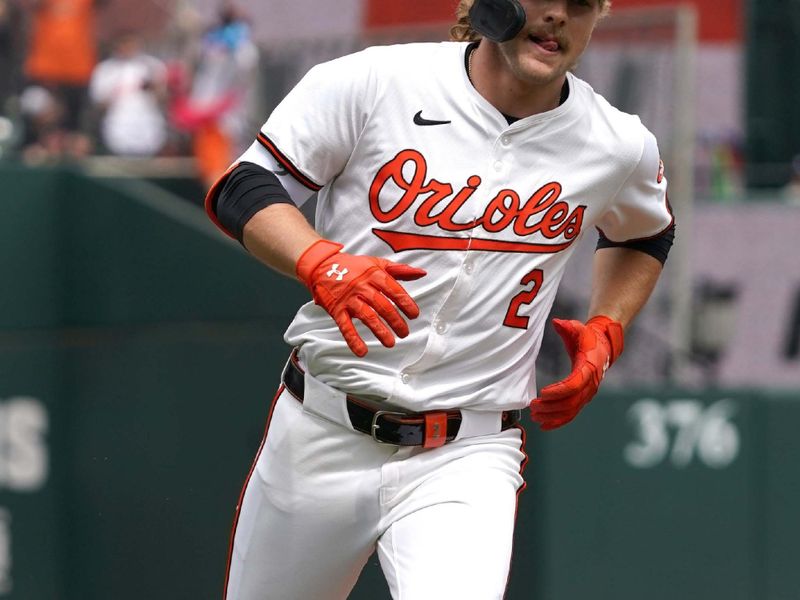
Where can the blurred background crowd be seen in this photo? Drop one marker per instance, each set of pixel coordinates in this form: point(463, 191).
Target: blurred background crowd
point(85, 78)
point(195, 78)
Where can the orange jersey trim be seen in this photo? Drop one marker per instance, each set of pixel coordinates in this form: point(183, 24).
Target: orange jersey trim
point(244, 488)
point(286, 163)
point(523, 464)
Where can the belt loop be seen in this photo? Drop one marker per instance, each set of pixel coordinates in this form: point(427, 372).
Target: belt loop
point(476, 423)
point(435, 430)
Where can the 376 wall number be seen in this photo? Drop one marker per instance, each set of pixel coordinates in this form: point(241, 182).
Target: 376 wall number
point(681, 431)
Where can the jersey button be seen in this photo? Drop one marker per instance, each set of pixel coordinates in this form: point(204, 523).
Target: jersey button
point(441, 328)
point(468, 268)
point(498, 166)
point(405, 377)
point(506, 140)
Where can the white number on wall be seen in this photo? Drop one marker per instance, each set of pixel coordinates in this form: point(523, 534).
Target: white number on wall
point(24, 460)
point(680, 431)
point(5, 552)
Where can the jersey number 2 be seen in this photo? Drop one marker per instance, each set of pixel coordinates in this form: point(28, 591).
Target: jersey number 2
point(513, 318)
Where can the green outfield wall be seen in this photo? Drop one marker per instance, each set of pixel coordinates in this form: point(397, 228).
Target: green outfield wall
point(772, 121)
point(139, 352)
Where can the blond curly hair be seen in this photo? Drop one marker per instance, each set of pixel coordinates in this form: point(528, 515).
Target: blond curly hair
point(462, 30)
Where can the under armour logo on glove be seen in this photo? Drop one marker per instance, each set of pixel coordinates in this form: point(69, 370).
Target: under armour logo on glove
point(593, 348)
point(335, 271)
point(370, 294)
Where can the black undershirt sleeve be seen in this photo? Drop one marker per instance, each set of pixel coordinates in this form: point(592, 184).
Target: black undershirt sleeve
point(247, 189)
point(658, 247)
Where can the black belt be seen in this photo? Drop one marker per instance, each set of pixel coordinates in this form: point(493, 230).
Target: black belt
point(428, 429)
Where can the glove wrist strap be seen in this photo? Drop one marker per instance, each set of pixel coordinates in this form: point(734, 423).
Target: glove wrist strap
point(312, 256)
point(613, 332)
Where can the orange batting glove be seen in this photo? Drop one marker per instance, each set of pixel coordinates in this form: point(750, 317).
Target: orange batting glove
point(348, 286)
point(592, 347)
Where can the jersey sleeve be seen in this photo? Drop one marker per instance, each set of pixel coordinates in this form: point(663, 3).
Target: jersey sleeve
point(640, 209)
point(313, 131)
point(309, 137)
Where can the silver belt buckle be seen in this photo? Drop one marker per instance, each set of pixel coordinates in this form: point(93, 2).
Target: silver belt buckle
point(375, 426)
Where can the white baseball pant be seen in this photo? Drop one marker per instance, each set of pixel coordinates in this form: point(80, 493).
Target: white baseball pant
point(320, 497)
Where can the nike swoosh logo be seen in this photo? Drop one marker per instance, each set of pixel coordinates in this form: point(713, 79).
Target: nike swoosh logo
point(419, 120)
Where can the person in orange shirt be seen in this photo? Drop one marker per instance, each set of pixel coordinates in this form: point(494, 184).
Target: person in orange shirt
point(61, 57)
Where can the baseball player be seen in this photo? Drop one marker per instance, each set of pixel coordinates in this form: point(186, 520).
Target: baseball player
point(454, 180)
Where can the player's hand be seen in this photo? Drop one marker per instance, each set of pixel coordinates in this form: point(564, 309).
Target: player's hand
point(592, 347)
point(348, 286)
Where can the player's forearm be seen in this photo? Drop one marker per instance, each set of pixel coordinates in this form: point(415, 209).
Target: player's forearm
point(277, 235)
point(623, 280)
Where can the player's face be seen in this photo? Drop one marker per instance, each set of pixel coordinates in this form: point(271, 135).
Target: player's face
point(554, 37)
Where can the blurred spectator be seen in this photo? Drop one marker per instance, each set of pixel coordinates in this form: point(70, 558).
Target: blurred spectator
point(10, 53)
point(726, 168)
point(60, 59)
point(214, 108)
point(10, 43)
point(129, 87)
point(43, 115)
point(792, 190)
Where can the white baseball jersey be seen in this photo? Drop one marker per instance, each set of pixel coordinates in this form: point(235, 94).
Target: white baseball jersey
point(414, 165)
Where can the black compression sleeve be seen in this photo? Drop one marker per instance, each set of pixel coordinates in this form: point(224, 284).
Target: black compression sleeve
point(657, 247)
point(247, 189)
